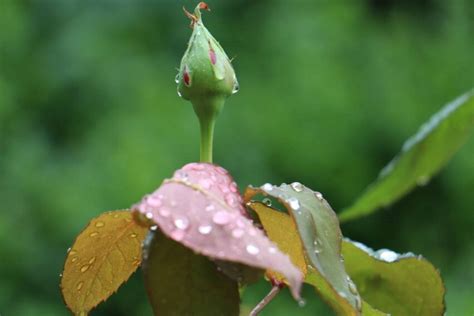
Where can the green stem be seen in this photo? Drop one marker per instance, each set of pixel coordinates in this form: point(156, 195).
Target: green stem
point(207, 138)
point(207, 109)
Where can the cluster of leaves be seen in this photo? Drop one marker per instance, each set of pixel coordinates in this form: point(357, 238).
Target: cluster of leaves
point(203, 241)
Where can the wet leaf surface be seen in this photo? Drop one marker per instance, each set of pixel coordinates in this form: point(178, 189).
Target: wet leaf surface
point(180, 282)
point(421, 157)
point(320, 235)
point(397, 284)
point(103, 256)
point(201, 208)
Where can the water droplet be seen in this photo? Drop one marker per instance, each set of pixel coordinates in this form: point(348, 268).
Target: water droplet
point(237, 233)
point(210, 208)
point(267, 202)
point(177, 234)
point(317, 246)
point(318, 195)
point(74, 259)
point(236, 86)
point(342, 294)
point(301, 303)
point(205, 229)
point(352, 287)
point(387, 255)
point(149, 215)
point(179, 94)
point(233, 187)
point(181, 175)
point(154, 201)
point(92, 260)
point(205, 183)
point(133, 235)
point(176, 79)
point(181, 223)
point(298, 187)
point(294, 203)
point(164, 212)
point(79, 285)
point(358, 303)
point(221, 170)
point(230, 199)
point(222, 218)
point(154, 228)
point(72, 252)
point(251, 249)
point(93, 234)
point(84, 268)
point(423, 180)
point(99, 224)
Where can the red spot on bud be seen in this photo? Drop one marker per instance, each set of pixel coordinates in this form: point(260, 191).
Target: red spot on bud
point(186, 78)
point(204, 6)
point(212, 56)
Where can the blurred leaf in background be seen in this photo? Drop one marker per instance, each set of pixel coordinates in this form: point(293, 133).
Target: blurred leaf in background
point(90, 120)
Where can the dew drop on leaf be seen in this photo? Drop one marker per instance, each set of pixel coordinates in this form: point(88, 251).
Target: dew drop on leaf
point(84, 268)
point(181, 223)
point(99, 224)
point(79, 286)
point(298, 187)
point(267, 202)
point(238, 233)
point(221, 218)
point(253, 250)
point(205, 229)
point(294, 203)
point(93, 234)
point(164, 212)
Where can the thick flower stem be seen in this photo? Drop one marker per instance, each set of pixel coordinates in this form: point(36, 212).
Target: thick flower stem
point(207, 109)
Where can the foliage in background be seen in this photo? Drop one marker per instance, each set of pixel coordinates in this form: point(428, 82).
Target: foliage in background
point(86, 104)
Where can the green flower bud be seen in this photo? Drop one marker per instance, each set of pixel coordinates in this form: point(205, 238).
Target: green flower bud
point(206, 78)
point(205, 70)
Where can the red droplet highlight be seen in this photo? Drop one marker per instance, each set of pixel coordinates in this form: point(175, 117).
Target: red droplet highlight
point(212, 56)
point(186, 78)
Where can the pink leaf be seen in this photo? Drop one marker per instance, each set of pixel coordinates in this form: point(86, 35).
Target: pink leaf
point(201, 208)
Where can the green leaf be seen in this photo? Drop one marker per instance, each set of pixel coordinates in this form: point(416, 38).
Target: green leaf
point(318, 229)
point(397, 284)
point(421, 157)
point(180, 282)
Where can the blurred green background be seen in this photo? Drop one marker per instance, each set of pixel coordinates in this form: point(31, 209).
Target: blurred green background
point(90, 121)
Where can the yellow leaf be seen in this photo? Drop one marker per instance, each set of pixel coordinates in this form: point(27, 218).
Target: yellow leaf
point(281, 229)
point(103, 257)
